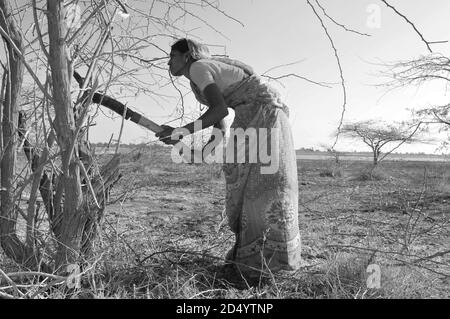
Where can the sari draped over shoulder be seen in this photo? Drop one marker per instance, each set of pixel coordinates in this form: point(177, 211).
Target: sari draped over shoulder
point(261, 206)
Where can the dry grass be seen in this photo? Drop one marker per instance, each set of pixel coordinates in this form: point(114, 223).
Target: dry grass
point(332, 170)
point(160, 237)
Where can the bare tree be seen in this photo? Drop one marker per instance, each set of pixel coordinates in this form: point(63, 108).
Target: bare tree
point(107, 58)
point(11, 89)
point(377, 135)
point(323, 17)
point(432, 68)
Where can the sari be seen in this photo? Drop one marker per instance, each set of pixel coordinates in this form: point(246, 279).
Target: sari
point(261, 207)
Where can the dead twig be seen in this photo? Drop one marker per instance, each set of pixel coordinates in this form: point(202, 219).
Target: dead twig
point(341, 73)
point(427, 43)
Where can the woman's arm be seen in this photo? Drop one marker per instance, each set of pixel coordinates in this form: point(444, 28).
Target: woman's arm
point(217, 138)
point(214, 114)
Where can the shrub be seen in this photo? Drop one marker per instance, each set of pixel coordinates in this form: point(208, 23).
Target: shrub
point(371, 174)
point(332, 171)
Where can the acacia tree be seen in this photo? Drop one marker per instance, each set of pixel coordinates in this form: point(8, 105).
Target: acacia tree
point(417, 72)
point(377, 135)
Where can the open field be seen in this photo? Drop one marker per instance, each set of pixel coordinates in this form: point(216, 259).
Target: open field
point(368, 157)
point(162, 235)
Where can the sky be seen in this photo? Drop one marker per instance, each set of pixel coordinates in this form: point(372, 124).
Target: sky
point(276, 33)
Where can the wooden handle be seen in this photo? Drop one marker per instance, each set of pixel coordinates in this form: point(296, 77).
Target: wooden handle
point(152, 126)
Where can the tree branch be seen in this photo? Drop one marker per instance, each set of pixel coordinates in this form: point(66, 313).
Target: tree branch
point(344, 90)
point(427, 43)
point(339, 24)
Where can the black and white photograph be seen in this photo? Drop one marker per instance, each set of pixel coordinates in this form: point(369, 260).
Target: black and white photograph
point(232, 157)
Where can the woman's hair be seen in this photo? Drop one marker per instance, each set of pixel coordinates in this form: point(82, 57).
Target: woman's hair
point(180, 46)
point(197, 50)
point(200, 51)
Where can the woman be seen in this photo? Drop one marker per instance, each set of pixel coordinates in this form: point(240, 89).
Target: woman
point(262, 208)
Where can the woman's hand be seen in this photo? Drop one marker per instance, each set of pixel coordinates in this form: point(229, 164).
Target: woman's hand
point(166, 135)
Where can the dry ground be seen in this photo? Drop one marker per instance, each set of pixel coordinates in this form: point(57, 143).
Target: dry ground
point(162, 228)
point(161, 236)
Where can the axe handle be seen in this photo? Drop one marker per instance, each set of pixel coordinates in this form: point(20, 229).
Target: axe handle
point(152, 126)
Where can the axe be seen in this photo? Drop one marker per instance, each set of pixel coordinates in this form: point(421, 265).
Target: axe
point(130, 114)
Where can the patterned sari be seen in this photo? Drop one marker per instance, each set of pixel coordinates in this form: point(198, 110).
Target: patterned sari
point(262, 208)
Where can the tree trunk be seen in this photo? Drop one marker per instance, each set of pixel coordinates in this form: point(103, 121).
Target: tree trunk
point(73, 216)
point(2, 98)
point(109, 175)
point(10, 243)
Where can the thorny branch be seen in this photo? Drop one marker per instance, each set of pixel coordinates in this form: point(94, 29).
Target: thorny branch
point(427, 43)
point(341, 74)
point(339, 24)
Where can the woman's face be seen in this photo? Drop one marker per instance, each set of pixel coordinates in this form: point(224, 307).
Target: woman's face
point(177, 62)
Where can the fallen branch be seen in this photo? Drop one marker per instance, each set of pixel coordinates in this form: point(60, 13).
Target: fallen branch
point(26, 274)
point(12, 283)
point(6, 296)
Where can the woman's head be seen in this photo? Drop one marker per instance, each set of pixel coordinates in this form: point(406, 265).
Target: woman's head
point(181, 46)
point(183, 53)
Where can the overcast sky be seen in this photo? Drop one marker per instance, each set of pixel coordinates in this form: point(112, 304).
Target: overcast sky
point(281, 32)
